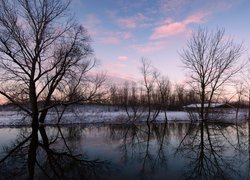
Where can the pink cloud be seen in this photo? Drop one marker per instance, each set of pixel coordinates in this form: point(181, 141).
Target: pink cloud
point(168, 30)
point(138, 20)
point(168, 20)
point(122, 58)
point(171, 28)
point(198, 17)
point(152, 46)
point(100, 34)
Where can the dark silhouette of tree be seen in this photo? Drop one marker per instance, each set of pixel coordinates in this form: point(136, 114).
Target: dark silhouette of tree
point(242, 86)
point(157, 91)
point(148, 83)
point(45, 56)
point(162, 92)
point(212, 60)
point(131, 101)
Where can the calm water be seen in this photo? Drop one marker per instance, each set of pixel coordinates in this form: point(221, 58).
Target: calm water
point(156, 151)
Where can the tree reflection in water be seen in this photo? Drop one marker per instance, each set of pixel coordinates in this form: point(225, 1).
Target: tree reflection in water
point(210, 149)
point(140, 151)
point(146, 144)
point(35, 155)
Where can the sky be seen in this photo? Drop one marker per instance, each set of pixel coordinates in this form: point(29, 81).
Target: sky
point(124, 31)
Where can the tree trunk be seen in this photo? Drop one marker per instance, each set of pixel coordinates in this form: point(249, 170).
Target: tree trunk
point(32, 153)
point(202, 102)
point(34, 108)
point(249, 104)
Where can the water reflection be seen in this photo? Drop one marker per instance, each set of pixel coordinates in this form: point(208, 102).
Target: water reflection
point(145, 144)
point(35, 154)
point(205, 150)
point(136, 151)
point(205, 147)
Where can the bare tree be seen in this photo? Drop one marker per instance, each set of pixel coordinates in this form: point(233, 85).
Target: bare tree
point(180, 93)
point(148, 83)
point(164, 91)
point(44, 57)
point(212, 60)
point(134, 103)
point(240, 92)
point(157, 90)
point(113, 94)
point(245, 83)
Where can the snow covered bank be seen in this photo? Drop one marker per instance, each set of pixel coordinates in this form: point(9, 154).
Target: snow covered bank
point(106, 115)
point(13, 118)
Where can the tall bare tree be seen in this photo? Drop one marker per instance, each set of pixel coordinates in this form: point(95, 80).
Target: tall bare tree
point(148, 83)
point(45, 56)
point(164, 91)
point(212, 60)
